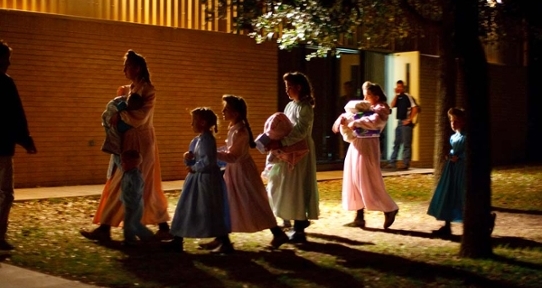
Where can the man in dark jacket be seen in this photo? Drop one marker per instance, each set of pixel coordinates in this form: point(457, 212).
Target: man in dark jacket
point(13, 130)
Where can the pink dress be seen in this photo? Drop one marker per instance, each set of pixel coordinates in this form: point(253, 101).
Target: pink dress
point(250, 210)
point(363, 185)
point(141, 138)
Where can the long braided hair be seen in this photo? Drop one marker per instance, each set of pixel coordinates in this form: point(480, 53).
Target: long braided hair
point(238, 104)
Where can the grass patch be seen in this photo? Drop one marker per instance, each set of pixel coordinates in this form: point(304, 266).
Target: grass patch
point(46, 234)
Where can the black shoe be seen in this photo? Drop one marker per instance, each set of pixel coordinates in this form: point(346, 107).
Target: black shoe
point(298, 238)
point(163, 235)
point(279, 240)
point(223, 248)
point(210, 245)
point(96, 234)
point(444, 231)
point(492, 223)
point(4, 245)
point(389, 218)
point(356, 223)
point(173, 246)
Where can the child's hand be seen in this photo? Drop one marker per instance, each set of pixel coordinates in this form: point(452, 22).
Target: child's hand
point(189, 155)
point(189, 169)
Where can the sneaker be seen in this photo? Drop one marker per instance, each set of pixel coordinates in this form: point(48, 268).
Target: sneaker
point(96, 234)
point(389, 218)
point(279, 240)
point(4, 245)
point(210, 245)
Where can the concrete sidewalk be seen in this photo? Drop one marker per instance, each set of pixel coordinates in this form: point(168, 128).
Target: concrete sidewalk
point(94, 190)
point(15, 277)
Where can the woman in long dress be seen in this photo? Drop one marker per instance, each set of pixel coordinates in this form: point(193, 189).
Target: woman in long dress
point(363, 185)
point(141, 138)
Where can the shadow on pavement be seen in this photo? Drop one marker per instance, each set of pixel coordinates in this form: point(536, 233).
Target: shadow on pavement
point(287, 266)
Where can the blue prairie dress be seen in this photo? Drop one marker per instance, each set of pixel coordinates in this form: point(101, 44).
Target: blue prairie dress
point(202, 210)
point(449, 197)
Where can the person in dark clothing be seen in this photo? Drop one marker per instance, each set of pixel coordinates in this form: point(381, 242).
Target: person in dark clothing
point(407, 109)
point(13, 131)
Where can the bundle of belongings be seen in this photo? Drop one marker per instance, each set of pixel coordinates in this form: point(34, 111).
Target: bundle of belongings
point(354, 110)
point(277, 127)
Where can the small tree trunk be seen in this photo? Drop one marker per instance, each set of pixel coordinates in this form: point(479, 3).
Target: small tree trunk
point(476, 241)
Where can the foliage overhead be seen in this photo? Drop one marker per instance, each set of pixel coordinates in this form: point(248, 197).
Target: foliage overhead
point(327, 24)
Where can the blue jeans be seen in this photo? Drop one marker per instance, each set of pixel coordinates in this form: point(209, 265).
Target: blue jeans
point(133, 211)
point(6, 192)
point(403, 136)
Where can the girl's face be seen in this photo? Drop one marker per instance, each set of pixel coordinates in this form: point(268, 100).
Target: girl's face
point(131, 71)
point(370, 97)
point(198, 124)
point(457, 123)
point(229, 114)
point(292, 90)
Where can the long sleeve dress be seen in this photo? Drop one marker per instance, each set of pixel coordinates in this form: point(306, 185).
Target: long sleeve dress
point(202, 210)
point(449, 197)
point(141, 138)
point(363, 185)
point(249, 205)
point(293, 190)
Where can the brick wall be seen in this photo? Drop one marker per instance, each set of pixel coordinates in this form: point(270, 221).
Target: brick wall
point(68, 68)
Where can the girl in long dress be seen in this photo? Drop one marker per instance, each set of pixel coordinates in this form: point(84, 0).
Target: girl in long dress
point(202, 210)
point(363, 185)
point(449, 197)
point(140, 138)
point(448, 200)
point(293, 190)
point(250, 210)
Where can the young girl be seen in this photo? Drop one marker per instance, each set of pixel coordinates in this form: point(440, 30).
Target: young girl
point(249, 205)
point(202, 210)
point(363, 186)
point(449, 198)
point(293, 191)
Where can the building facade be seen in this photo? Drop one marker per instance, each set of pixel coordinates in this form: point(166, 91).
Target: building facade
point(68, 60)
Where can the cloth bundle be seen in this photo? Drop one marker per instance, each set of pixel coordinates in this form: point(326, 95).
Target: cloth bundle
point(276, 127)
point(354, 110)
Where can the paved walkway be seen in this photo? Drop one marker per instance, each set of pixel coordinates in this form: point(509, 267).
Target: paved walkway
point(15, 277)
